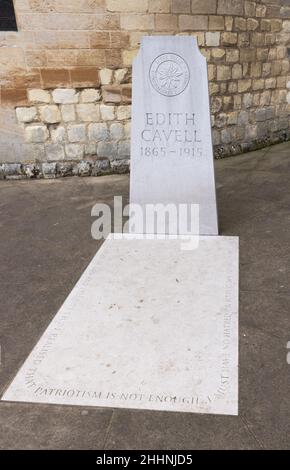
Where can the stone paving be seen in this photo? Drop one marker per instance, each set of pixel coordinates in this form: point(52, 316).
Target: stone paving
point(45, 244)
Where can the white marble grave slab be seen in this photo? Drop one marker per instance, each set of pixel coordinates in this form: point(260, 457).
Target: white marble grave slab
point(147, 326)
point(171, 142)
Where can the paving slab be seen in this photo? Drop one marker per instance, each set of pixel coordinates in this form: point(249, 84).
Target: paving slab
point(149, 325)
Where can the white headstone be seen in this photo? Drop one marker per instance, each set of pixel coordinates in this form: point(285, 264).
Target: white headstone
point(171, 148)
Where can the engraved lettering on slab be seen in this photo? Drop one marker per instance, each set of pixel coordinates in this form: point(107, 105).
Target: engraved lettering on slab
point(149, 342)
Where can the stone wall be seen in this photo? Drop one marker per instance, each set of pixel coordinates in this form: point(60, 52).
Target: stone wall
point(65, 76)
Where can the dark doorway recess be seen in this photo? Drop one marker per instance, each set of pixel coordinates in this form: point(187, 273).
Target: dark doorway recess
point(7, 16)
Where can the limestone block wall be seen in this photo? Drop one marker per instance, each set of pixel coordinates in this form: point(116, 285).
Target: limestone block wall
point(69, 124)
point(65, 77)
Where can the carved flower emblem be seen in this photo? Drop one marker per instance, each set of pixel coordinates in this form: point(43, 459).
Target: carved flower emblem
point(170, 76)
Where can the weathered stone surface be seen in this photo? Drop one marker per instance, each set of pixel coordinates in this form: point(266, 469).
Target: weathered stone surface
point(58, 134)
point(218, 53)
point(244, 85)
point(193, 22)
point(215, 87)
point(237, 71)
point(265, 98)
point(106, 76)
point(50, 114)
point(90, 95)
point(241, 24)
point(250, 8)
point(121, 75)
point(112, 94)
point(76, 133)
point(223, 72)
point(68, 113)
point(252, 131)
point(220, 120)
point(107, 112)
point(39, 96)
point(49, 170)
point(216, 104)
point(116, 131)
point(90, 149)
point(247, 100)
point(258, 84)
point(12, 169)
point(124, 149)
point(181, 6)
point(82, 169)
point(26, 114)
point(101, 167)
point(216, 23)
point(107, 149)
point(232, 55)
point(132, 22)
point(243, 118)
point(212, 39)
point(31, 170)
point(54, 152)
point(229, 7)
point(89, 112)
point(123, 112)
point(98, 131)
point(232, 118)
point(34, 152)
point(128, 56)
point(64, 169)
point(36, 133)
point(126, 94)
point(120, 166)
point(226, 136)
point(252, 24)
point(65, 96)
point(74, 151)
point(127, 129)
point(261, 11)
point(229, 39)
point(203, 6)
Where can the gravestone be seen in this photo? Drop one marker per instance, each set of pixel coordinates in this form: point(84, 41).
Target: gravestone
point(152, 324)
point(171, 143)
